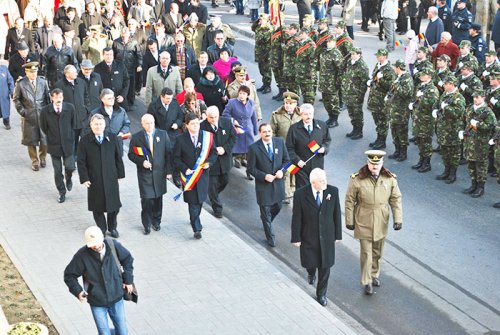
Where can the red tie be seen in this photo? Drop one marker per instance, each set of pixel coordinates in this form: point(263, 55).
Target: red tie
point(58, 110)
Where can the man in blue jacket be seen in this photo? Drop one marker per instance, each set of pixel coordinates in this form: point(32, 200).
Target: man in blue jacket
point(462, 20)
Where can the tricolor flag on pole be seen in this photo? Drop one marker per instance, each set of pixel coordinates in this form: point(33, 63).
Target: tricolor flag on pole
point(292, 168)
point(421, 36)
point(314, 146)
point(140, 151)
point(399, 42)
point(274, 11)
point(239, 130)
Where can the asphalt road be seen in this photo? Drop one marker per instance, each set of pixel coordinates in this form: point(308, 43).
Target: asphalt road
point(440, 272)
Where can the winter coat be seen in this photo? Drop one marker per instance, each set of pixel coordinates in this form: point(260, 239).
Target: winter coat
point(7, 91)
point(247, 118)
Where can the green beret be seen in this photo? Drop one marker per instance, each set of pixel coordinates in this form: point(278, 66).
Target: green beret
point(382, 52)
point(491, 53)
point(479, 93)
point(464, 43)
point(426, 71)
point(451, 79)
point(400, 64)
point(467, 65)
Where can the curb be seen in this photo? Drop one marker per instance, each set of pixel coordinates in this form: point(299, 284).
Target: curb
point(244, 32)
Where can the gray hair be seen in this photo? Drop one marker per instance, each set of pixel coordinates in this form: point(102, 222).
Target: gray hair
point(306, 108)
point(433, 10)
point(68, 68)
point(212, 110)
point(106, 91)
point(446, 35)
point(317, 174)
point(97, 117)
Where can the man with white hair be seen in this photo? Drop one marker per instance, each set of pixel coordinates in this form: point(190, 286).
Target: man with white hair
point(56, 58)
point(434, 28)
point(316, 227)
point(447, 47)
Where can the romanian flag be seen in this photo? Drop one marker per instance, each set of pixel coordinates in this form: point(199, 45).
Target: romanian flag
point(313, 146)
point(421, 36)
point(239, 130)
point(292, 168)
point(398, 43)
point(274, 11)
point(125, 136)
point(140, 151)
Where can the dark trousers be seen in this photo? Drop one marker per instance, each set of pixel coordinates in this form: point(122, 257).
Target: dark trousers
point(77, 139)
point(69, 167)
point(323, 275)
point(194, 217)
point(100, 220)
point(151, 210)
point(217, 184)
point(267, 215)
point(131, 89)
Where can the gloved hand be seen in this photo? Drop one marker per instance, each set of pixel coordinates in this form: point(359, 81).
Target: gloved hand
point(461, 134)
point(380, 75)
point(493, 100)
point(386, 98)
point(397, 226)
point(419, 94)
point(440, 83)
point(410, 106)
point(435, 113)
point(463, 86)
point(350, 227)
point(474, 122)
point(485, 73)
point(369, 83)
point(491, 142)
point(443, 105)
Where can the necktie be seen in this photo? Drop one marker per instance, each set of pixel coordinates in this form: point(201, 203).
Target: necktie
point(150, 138)
point(194, 140)
point(99, 138)
point(58, 111)
point(269, 151)
point(309, 129)
point(33, 84)
point(318, 199)
point(215, 128)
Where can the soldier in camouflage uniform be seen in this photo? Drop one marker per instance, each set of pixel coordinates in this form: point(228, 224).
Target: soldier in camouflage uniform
point(344, 44)
point(304, 69)
point(449, 112)
point(289, 57)
point(480, 126)
point(442, 71)
point(321, 37)
point(397, 100)
point(426, 95)
point(381, 80)
point(421, 63)
point(330, 80)
point(308, 24)
point(263, 32)
point(491, 65)
point(468, 83)
point(466, 56)
point(495, 142)
point(354, 88)
point(281, 120)
point(277, 39)
point(493, 101)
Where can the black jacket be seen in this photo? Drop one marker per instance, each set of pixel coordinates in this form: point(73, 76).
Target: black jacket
point(116, 79)
point(202, 12)
point(212, 92)
point(78, 95)
point(59, 129)
point(16, 63)
point(195, 73)
point(94, 87)
point(224, 137)
point(148, 61)
point(55, 61)
point(102, 277)
point(13, 40)
point(164, 119)
point(130, 54)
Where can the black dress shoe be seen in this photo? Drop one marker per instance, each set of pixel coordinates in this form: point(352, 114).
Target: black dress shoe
point(114, 233)
point(156, 227)
point(311, 279)
point(197, 235)
point(496, 205)
point(218, 215)
point(43, 163)
point(249, 176)
point(322, 300)
point(266, 90)
point(69, 184)
point(61, 199)
point(271, 242)
point(376, 282)
point(369, 289)
point(147, 231)
point(7, 126)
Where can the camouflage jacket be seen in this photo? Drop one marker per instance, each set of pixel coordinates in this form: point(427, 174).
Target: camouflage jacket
point(399, 97)
point(344, 44)
point(439, 78)
point(329, 70)
point(487, 71)
point(426, 96)
point(467, 86)
point(469, 58)
point(493, 100)
point(289, 49)
point(276, 49)
point(304, 65)
point(476, 139)
point(381, 81)
point(450, 112)
point(321, 42)
point(418, 66)
point(354, 81)
point(263, 42)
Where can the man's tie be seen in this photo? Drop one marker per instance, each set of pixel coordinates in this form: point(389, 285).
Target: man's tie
point(99, 138)
point(33, 85)
point(150, 138)
point(270, 151)
point(318, 199)
point(58, 110)
point(194, 139)
point(309, 129)
point(215, 128)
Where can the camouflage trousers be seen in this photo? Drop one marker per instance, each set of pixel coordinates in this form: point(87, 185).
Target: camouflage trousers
point(278, 76)
point(291, 84)
point(450, 154)
point(308, 90)
point(497, 160)
point(355, 111)
point(289, 185)
point(266, 72)
point(478, 170)
point(381, 119)
point(399, 132)
point(331, 103)
point(424, 144)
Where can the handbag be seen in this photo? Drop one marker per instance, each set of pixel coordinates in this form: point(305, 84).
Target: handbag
point(133, 296)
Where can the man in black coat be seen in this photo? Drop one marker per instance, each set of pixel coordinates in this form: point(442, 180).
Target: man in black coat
point(154, 166)
point(15, 36)
point(93, 82)
point(57, 121)
point(56, 58)
point(45, 34)
point(299, 136)
point(76, 93)
point(200, 10)
point(316, 226)
point(150, 59)
point(219, 45)
point(178, 49)
point(21, 57)
point(114, 76)
point(188, 147)
point(100, 166)
point(224, 138)
point(167, 114)
point(196, 71)
point(266, 158)
point(304, 8)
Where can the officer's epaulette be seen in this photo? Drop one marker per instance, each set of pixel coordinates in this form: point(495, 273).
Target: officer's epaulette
point(389, 173)
point(18, 79)
point(354, 175)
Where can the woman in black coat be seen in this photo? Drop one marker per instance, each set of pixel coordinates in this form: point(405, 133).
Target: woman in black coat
point(212, 88)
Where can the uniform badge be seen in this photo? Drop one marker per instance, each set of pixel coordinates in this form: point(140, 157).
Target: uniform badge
point(223, 132)
point(328, 196)
point(276, 151)
point(157, 139)
point(116, 72)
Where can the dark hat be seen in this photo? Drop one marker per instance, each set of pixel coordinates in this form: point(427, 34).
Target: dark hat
point(464, 1)
point(451, 79)
point(294, 26)
point(240, 70)
point(341, 24)
point(399, 64)
point(290, 96)
point(31, 67)
point(382, 52)
point(464, 43)
point(445, 58)
point(67, 28)
point(375, 156)
point(355, 50)
point(475, 26)
point(86, 64)
point(209, 68)
point(479, 93)
point(22, 46)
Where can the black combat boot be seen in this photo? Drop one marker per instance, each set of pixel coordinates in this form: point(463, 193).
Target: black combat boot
point(267, 89)
point(396, 152)
point(375, 142)
point(419, 164)
point(453, 175)
point(445, 174)
point(280, 94)
point(479, 190)
point(403, 153)
point(260, 89)
point(332, 121)
point(426, 165)
point(381, 143)
point(277, 95)
point(358, 133)
point(351, 133)
point(471, 189)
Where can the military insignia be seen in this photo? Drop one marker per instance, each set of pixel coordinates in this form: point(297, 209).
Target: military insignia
point(157, 139)
point(354, 175)
point(223, 132)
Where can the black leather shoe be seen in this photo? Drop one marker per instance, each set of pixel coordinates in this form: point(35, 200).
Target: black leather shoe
point(146, 231)
point(43, 163)
point(218, 215)
point(61, 199)
point(69, 184)
point(496, 205)
point(197, 235)
point(7, 126)
point(266, 90)
point(311, 279)
point(114, 233)
point(156, 227)
point(369, 289)
point(271, 242)
point(322, 300)
point(376, 282)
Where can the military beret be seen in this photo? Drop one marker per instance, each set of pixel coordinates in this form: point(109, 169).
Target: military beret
point(340, 24)
point(399, 64)
point(22, 46)
point(240, 70)
point(475, 26)
point(467, 65)
point(479, 93)
point(495, 75)
point(425, 50)
point(375, 156)
point(323, 20)
point(445, 58)
point(464, 43)
point(290, 96)
point(31, 67)
point(382, 52)
point(451, 79)
point(355, 50)
point(491, 53)
point(294, 26)
point(426, 71)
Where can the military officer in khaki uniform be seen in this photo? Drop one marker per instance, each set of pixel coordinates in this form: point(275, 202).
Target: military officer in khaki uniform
point(281, 120)
point(371, 191)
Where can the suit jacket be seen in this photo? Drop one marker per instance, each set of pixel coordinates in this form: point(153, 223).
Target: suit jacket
point(311, 225)
point(147, 14)
point(155, 82)
point(224, 137)
point(202, 12)
point(298, 138)
point(55, 62)
point(152, 182)
point(116, 79)
point(185, 156)
point(94, 87)
point(148, 61)
point(43, 37)
point(164, 119)
point(194, 73)
point(158, 8)
point(168, 22)
point(77, 48)
point(189, 56)
point(59, 129)
point(260, 164)
point(78, 95)
point(13, 40)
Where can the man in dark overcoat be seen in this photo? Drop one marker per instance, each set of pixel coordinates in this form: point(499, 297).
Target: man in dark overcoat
point(93, 82)
point(153, 168)
point(7, 84)
point(316, 226)
point(57, 121)
point(224, 138)
point(167, 113)
point(31, 94)
point(100, 166)
point(187, 149)
point(21, 57)
point(299, 136)
point(266, 158)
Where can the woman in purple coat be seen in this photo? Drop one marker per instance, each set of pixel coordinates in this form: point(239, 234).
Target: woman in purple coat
point(241, 110)
point(7, 84)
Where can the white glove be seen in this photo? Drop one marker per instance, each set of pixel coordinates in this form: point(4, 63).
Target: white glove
point(460, 65)
point(485, 73)
point(441, 83)
point(410, 106)
point(415, 71)
point(386, 98)
point(419, 94)
point(369, 83)
point(463, 86)
point(474, 122)
point(380, 75)
point(443, 105)
point(493, 100)
point(435, 113)
point(461, 134)
point(491, 142)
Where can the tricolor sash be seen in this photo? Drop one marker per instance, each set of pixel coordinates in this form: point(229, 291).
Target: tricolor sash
point(302, 49)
